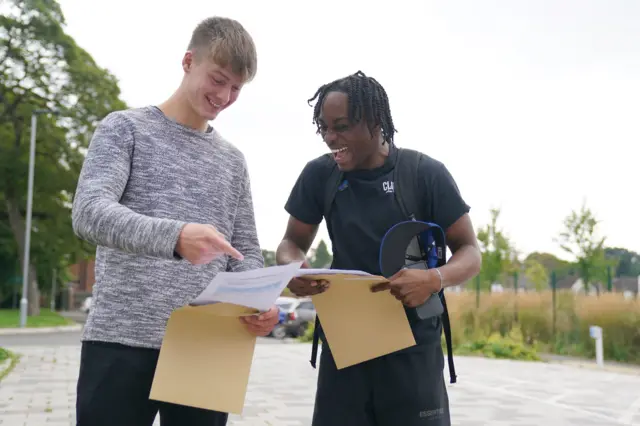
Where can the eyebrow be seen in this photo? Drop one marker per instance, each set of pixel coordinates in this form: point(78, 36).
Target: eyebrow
point(323, 121)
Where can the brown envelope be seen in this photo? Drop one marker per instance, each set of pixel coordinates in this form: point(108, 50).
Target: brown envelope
point(360, 325)
point(205, 358)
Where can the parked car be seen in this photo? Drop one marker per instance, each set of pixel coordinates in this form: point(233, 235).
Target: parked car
point(295, 317)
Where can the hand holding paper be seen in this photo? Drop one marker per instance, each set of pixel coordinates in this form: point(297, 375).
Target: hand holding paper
point(261, 325)
point(412, 287)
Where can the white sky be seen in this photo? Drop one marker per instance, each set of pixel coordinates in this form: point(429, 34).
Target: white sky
point(529, 103)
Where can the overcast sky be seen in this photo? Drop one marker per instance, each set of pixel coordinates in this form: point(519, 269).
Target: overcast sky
point(532, 105)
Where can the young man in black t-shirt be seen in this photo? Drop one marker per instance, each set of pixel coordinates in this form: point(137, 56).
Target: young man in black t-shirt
point(407, 387)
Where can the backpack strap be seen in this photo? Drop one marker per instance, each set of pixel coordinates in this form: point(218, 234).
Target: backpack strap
point(407, 190)
point(334, 182)
point(405, 181)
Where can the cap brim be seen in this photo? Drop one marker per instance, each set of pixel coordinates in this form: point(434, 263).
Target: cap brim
point(394, 245)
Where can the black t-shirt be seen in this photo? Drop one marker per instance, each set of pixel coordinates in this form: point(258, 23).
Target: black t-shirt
point(365, 208)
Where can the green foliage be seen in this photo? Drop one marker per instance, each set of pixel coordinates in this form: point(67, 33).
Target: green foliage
point(42, 68)
point(4, 354)
point(537, 274)
point(535, 327)
point(321, 257)
point(510, 346)
point(13, 361)
point(497, 252)
point(580, 239)
point(626, 262)
point(562, 268)
point(10, 318)
point(307, 337)
point(269, 257)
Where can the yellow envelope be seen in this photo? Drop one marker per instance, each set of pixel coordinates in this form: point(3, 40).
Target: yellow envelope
point(360, 325)
point(205, 358)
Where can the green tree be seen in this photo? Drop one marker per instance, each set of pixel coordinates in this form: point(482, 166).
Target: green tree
point(321, 257)
point(581, 240)
point(498, 256)
point(627, 262)
point(551, 263)
point(536, 274)
point(41, 67)
point(269, 257)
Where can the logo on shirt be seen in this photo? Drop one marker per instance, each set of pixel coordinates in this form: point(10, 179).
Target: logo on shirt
point(387, 187)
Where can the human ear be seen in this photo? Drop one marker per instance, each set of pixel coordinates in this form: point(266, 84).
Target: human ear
point(187, 61)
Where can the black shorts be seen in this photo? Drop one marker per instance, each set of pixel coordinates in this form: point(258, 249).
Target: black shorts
point(405, 388)
point(114, 386)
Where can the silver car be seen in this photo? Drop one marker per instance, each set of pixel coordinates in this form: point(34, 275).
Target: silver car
point(296, 316)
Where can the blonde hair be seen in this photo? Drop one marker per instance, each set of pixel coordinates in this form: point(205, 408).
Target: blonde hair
point(227, 43)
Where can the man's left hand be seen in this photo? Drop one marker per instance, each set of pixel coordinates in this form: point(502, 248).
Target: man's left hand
point(412, 287)
point(261, 325)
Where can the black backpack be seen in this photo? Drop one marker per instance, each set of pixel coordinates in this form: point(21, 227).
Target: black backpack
point(407, 190)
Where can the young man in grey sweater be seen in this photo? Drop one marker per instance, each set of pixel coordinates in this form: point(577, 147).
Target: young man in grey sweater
point(167, 201)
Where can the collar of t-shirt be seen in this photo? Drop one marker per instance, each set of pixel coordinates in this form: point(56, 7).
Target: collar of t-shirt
point(373, 174)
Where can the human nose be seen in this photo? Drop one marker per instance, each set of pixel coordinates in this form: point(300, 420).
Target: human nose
point(329, 137)
point(223, 96)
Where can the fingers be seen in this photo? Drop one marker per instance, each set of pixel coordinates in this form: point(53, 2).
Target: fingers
point(306, 287)
point(261, 325)
point(228, 249)
point(380, 287)
point(221, 246)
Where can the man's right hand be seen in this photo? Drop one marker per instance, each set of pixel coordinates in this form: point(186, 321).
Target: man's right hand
point(200, 244)
point(302, 286)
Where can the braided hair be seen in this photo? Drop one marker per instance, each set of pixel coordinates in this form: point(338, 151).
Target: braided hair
point(367, 99)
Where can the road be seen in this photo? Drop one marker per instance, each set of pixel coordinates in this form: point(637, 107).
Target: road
point(41, 390)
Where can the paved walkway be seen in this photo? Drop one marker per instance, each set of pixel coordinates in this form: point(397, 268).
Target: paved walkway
point(41, 391)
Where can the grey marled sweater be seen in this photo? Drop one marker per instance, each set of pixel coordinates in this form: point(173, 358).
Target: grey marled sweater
point(143, 178)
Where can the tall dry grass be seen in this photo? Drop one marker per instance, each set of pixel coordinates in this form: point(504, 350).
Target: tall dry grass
point(532, 313)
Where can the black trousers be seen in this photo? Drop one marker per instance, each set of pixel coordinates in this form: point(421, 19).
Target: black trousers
point(405, 388)
point(114, 386)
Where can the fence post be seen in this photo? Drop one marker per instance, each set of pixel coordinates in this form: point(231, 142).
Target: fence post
point(609, 281)
point(515, 289)
point(553, 301)
point(478, 290)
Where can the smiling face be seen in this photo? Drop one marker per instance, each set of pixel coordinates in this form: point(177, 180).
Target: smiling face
point(210, 88)
point(352, 144)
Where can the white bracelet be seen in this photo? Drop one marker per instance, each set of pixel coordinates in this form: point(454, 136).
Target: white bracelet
point(441, 279)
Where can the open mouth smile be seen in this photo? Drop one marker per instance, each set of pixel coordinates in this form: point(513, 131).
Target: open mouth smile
point(213, 104)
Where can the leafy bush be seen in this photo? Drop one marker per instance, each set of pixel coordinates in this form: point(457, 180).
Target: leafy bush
point(307, 337)
point(510, 346)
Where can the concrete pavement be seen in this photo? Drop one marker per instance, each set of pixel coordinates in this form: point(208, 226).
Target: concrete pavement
point(41, 390)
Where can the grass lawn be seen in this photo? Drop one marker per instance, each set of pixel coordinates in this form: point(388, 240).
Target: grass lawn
point(10, 318)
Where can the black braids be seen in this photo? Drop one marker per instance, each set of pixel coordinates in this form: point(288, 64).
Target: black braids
point(367, 100)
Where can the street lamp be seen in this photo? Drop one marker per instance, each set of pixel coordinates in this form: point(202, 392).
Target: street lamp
point(27, 229)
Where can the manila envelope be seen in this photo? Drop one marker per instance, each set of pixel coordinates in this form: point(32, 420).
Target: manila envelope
point(205, 358)
point(360, 325)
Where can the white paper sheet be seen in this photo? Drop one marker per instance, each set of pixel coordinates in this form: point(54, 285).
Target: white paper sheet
point(258, 288)
point(303, 272)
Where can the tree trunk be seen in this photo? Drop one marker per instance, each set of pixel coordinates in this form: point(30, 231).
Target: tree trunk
point(17, 227)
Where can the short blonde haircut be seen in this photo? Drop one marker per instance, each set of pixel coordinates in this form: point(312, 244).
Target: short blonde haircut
point(227, 43)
